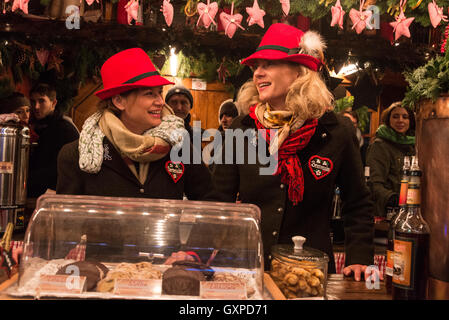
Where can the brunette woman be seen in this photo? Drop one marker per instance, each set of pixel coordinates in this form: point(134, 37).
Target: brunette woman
point(395, 138)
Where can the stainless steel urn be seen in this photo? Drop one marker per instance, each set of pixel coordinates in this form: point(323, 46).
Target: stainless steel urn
point(14, 154)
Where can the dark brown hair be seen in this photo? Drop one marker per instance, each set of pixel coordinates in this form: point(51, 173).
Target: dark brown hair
point(44, 89)
point(386, 115)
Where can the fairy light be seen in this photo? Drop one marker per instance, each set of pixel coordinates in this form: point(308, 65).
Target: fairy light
point(173, 62)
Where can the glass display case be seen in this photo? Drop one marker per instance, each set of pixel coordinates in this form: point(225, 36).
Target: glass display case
point(104, 247)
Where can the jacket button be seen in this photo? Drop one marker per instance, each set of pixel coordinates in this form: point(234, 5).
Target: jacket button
point(282, 186)
point(142, 190)
point(280, 209)
point(275, 233)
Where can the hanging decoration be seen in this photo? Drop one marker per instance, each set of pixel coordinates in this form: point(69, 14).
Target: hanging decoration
point(89, 2)
point(435, 14)
point(20, 4)
point(132, 10)
point(337, 15)
point(55, 61)
point(360, 18)
point(190, 10)
point(222, 71)
point(42, 56)
point(285, 6)
point(167, 11)
point(207, 13)
point(443, 44)
point(231, 22)
point(255, 15)
point(401, 25)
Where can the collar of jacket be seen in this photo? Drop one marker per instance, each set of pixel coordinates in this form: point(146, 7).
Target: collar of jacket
point(116, 162)
point(42, 124)
point(187, 125)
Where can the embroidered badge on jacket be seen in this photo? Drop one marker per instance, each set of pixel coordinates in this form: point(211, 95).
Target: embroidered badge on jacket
point(106, 155)
point(320, 167)
point(175, 170)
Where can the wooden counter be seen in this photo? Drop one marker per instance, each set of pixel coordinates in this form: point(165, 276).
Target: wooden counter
point(338, 288)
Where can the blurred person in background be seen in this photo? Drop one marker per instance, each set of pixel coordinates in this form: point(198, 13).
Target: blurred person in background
point(395, 138)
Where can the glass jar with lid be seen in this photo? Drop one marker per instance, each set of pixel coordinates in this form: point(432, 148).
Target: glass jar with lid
point(299, 272)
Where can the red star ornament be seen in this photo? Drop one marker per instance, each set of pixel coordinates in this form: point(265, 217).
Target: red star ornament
point(401, 25)
point(337, 15)
point(255, 15)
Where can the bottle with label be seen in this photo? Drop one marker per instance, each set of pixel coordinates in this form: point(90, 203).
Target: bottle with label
point(411, 245)
point(394, 221)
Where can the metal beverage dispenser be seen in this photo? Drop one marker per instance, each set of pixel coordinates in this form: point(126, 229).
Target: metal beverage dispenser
point(433, 152)
point(14, 154)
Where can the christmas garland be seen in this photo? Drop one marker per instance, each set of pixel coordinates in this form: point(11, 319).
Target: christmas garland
point(428, 81)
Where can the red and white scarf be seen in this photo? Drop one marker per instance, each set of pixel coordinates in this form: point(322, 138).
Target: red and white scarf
point(289, 166)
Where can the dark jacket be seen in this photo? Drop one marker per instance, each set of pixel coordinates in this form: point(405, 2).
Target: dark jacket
point(54, 132)
point(189, 129)
point(115, 179)
point(334, 140)
point(385, 160)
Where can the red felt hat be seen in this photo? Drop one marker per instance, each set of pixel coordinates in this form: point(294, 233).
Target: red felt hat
point(284, 42)
point(129, 69)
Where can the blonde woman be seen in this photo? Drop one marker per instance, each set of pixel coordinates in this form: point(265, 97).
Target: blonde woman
point(315, 150)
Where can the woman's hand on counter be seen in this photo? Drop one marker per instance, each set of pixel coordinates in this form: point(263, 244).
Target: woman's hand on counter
point(358, 269)
point(179, 256)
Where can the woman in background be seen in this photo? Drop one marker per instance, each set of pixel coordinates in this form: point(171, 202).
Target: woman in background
point(395, 138)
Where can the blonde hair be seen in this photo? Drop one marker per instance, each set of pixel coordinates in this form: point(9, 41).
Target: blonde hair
point(307, 97)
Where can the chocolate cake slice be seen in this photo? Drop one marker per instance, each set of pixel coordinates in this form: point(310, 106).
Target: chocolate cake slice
point(184, 277)
point(93, 271)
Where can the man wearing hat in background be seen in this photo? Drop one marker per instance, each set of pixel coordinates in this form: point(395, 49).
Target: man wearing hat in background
point(226, 113)
point(180, 100)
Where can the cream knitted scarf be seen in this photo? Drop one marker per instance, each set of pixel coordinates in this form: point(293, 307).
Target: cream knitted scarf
point(152, 145)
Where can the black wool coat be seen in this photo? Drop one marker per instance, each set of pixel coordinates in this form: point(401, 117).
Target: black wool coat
point(54, 132)
point(115, 179)
point(335, 145)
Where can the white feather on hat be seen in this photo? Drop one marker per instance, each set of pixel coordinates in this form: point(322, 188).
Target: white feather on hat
point(312, 43)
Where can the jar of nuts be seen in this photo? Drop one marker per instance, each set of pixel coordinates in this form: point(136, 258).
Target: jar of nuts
point(299, 272)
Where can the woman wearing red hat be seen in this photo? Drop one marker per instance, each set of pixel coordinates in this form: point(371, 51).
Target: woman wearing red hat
point(124, 148)
point(315, 149)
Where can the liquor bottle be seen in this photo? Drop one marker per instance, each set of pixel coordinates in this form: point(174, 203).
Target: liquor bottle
point(411, 245)
point(394, 221)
